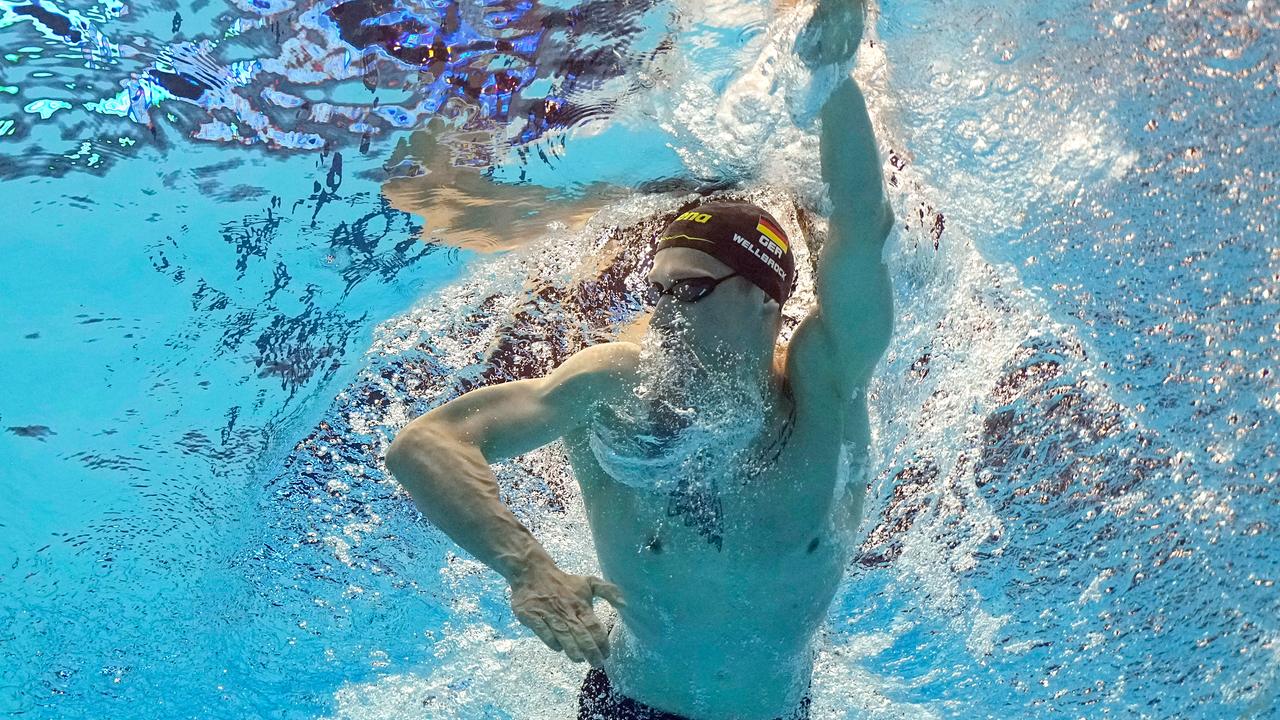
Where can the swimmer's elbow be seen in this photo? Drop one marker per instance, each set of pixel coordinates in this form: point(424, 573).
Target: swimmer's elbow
point(416, 442)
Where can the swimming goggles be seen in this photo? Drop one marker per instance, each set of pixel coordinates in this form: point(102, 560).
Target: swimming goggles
point(688, 290)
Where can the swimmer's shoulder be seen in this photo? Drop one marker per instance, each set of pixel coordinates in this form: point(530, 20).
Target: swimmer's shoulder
point(605, 370)
point(615, 358)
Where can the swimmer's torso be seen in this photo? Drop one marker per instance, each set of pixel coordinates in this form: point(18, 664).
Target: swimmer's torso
point(719, 621)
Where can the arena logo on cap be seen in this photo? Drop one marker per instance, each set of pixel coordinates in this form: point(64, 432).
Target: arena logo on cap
point(694, 216)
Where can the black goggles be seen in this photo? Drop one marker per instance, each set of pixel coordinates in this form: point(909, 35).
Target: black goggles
point(688, 290)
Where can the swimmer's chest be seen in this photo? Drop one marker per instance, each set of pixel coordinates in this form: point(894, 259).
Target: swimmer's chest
point(784, 511)
point(781, 536)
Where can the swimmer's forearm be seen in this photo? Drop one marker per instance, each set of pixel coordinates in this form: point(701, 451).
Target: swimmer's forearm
point(453, 486)
point(850, 162)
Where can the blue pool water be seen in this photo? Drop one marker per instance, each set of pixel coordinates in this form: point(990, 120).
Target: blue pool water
point(235, 265)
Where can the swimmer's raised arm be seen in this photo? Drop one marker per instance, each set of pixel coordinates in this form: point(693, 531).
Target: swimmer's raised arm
point(442, 459)
point(854, 310)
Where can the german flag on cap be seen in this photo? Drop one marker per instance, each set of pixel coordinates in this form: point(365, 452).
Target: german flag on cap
point(768, 229)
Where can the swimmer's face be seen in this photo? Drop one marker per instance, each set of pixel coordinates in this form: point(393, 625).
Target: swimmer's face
point(731, 315)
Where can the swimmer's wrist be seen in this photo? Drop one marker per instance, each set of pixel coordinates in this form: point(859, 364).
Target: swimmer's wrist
point(529, 562)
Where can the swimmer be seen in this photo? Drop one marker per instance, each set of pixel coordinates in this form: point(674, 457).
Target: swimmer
point(714, 464)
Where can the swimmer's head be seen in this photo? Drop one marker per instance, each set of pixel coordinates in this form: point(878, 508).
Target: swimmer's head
point(743, 237)
point(704, 308)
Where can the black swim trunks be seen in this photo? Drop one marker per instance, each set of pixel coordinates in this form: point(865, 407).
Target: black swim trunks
point(598, 701)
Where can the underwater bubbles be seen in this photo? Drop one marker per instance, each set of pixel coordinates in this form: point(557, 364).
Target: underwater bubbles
point(683, 422)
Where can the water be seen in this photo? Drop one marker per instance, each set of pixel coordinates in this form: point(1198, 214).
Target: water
point(219, 309)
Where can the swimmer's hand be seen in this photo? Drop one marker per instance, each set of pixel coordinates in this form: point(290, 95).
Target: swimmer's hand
point(832, 35)
point(557, 607)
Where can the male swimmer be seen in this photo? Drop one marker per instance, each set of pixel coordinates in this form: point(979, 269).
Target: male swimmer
point(713, 464)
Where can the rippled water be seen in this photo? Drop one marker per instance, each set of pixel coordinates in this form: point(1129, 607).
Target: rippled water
point(209, 341)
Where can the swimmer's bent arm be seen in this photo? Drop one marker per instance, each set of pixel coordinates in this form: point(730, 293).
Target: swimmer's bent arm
point(442, 459)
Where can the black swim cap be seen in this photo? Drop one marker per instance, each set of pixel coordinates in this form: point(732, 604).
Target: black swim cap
point(741, 235)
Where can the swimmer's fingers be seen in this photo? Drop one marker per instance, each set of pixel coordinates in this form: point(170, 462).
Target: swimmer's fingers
point(584, 644)
point(568, 639)
point(539, 628)
point(599, 648)
point(608, 591)
point(577, 640)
